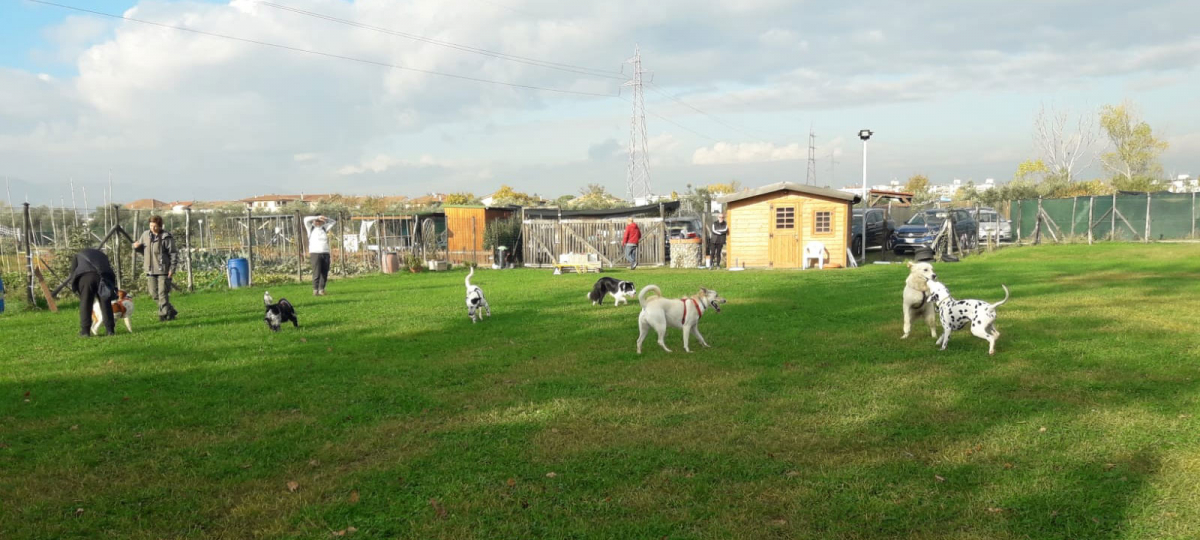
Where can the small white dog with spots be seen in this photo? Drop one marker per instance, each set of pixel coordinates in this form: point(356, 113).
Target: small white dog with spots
point(957, 314)
point(916, 297)
point(476, 302)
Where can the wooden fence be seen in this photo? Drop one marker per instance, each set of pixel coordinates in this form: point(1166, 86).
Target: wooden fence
point(546, 239)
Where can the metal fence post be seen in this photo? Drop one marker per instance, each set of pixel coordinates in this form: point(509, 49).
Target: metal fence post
point(1091, 205)
point(299, 249)
point(1146, 237)
point(187, 243)
point(250, 245)
point(1193, 215)
point(28, 255)
point(1074, 205)
point(1112, 229)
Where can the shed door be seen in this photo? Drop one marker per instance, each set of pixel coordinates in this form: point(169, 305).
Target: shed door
point(785, 236)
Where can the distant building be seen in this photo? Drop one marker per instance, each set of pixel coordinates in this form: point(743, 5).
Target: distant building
point(277, 203)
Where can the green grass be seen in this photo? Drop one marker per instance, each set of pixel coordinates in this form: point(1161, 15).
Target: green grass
point(808, 418)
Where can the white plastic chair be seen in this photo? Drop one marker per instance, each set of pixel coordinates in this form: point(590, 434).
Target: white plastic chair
point(815, 250)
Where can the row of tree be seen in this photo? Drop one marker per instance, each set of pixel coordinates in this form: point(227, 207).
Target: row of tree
point(1131, 159)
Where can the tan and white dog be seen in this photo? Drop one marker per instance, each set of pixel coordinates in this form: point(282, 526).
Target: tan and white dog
point(122, 308)
point(683, 313)
point(916, 295)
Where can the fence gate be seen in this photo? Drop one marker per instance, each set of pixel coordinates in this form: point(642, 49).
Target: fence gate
point(546, 239)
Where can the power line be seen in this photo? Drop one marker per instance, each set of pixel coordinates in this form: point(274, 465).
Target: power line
point(672, 122)
point(467, 48)
point(714, 118)
point(320, 53)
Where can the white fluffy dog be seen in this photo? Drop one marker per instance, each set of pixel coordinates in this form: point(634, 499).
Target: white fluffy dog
point(684, 313)
point(916, 296)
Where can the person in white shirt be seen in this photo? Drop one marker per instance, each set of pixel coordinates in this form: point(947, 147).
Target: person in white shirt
point(318, 250)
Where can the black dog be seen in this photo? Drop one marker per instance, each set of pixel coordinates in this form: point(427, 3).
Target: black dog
point(279, 313)
point(620, 291)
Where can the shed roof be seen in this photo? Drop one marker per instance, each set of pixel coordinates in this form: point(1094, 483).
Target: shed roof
point(790, 186)
point(549, 213)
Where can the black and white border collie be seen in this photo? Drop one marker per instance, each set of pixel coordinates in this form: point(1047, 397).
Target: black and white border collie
point(279, 312)
point(620, 291)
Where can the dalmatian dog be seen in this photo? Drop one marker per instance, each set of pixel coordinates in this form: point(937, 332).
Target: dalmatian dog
point(957, 314)
point(475, 300)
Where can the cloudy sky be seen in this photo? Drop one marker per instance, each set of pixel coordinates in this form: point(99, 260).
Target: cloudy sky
point(949, 87)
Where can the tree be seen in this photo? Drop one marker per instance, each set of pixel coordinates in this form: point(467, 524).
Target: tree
point(1133, 160)
point(564, 201)
point(717, 190)
point(596, 197)
point(1062, 149)
point(508, 196)
point(917, 183)
point(461, 198)
point(967, 192)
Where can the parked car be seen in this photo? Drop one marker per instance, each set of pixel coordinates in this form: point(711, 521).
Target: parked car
point(681, 227)
point(922, 228)
point(879, 230)
point(990, 222)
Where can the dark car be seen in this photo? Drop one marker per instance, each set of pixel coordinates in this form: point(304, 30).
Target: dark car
point(921, 229)
point(681, 227)
point(879, 230)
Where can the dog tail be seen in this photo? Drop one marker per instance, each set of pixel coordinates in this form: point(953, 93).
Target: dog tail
point(267, 298)
point(646, 289)
point(469, 274)
point(1000, 303)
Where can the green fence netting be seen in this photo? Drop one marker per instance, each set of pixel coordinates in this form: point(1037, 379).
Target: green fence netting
point(1172, 216)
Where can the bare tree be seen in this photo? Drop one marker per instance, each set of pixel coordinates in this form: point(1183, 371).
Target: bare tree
point(1062, 150)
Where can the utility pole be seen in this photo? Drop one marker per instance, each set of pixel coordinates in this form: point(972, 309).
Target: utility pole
point(638, 177)
point(811, 178)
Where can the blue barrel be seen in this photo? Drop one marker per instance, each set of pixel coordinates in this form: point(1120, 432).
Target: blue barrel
point(239, 273)
point(1, 295)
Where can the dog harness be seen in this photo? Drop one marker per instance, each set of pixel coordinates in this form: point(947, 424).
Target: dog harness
point(698, 312)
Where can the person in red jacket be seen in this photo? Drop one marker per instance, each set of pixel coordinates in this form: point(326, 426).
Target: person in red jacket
point(633, 235)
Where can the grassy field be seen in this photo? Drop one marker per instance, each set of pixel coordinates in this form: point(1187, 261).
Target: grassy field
point(389, 415)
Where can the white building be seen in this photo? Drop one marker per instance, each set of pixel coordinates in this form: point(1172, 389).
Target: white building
point(1184, 184)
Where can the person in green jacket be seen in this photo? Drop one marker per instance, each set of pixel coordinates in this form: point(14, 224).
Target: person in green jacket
point(159, 258)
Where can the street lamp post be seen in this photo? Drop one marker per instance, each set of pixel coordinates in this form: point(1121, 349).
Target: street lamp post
point(864, 134)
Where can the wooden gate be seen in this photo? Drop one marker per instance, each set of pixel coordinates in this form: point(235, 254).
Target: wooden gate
point(784, 250)
point(546, 239)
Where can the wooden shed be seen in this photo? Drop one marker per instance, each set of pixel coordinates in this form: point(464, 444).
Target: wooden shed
point(464, 231)
point(769, 226)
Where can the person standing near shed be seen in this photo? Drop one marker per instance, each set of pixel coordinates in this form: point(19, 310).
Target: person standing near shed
point(318, 228)
point(716, 242)
point(633, 235)
point(89, 268)
point(159, 255)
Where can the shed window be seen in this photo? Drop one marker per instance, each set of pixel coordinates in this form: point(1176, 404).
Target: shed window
point(822, 221)
point(785, 217)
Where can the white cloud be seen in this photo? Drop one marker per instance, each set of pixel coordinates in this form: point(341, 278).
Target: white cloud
point(722, 153)
point(232, 118)
point(382, 163)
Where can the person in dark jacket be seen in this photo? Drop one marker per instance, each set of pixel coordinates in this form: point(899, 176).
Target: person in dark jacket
point(160, 260)
point(718, 231)
point(88, 268)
